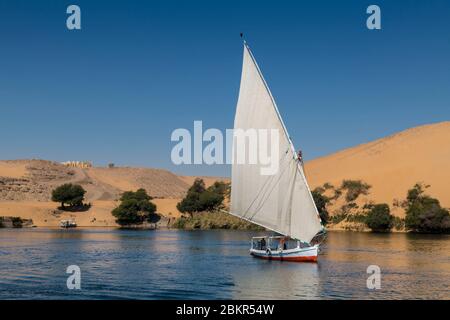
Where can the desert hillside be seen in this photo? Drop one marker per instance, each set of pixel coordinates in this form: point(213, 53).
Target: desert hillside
point(392, 165)
point(26, 185)
point(34, 180)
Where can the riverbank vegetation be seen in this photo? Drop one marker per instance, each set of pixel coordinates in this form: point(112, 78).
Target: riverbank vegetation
point(202, 206)
point(321, 204)
point(202, 199)
point(342, 207)
point(424, 214)
point(379, 218)
point(213, 220)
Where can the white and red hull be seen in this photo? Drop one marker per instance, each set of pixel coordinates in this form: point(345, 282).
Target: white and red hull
point(308, 254)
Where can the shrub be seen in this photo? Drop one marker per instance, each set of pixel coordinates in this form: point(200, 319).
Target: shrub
point(321, 202)
point(71, 194)
point(210, 201)
point(221, 188)
point(337, 194)
point(198, 198)
point(354, 189)
point(139, 195)
point(198, 186)
point(327, 186)
point(179, 223)
point(399, 223)
point(379, 218)
point(135, 208)
point(358, 218)
point(424, 213)
point(335, 219)
point(214, 220)
point(349, 207)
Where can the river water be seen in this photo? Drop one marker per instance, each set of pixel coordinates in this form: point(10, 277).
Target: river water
point(172, 264)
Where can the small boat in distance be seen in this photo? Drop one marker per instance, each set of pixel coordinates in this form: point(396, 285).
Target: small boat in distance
point(67, 224)
point(281, 202)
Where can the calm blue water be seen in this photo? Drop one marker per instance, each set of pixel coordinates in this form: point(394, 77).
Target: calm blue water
point(120, 264)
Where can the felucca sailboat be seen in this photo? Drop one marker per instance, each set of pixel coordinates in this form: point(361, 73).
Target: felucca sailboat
point(281, 202)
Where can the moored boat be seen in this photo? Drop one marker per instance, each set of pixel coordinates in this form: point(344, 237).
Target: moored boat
point(67, 224)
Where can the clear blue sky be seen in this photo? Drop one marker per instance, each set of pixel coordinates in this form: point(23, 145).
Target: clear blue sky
point(114, 91)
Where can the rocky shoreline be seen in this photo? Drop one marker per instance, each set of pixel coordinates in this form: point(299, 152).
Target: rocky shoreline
point(15, 222)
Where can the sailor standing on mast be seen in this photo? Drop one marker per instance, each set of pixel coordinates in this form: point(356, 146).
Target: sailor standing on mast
point(300, 156)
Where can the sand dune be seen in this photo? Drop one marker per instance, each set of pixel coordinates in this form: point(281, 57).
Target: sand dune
point(392, 165)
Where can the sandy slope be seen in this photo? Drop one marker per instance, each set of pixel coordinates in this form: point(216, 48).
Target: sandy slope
point(12, 169)
point(393, 164)
point(208, 180)
point(158, 183)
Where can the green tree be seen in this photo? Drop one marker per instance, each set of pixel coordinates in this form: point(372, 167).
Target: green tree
point(198, 186)
point(198, 198)
point(210, 201)
point(424, 213)
point(139, 195)
point(135, 208)
point(354, 189)
point(220, 187)
point(379, 218)
point(321, 202)
point(71, 194)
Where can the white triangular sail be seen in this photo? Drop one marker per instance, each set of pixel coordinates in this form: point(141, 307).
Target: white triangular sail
point(281, 202)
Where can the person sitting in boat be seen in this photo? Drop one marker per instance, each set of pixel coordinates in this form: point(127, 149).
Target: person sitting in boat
point(263, 244)
point(283, 244)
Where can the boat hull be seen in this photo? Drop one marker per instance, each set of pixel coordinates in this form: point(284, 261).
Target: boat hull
point(295, 255)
